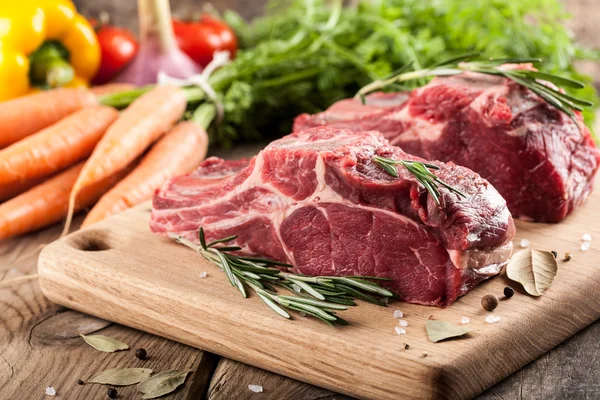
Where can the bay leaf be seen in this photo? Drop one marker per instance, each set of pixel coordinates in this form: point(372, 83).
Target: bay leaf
point(121, 376)
point(441, 330)
point(162, 383)
point(104, 343)
point(534, 269)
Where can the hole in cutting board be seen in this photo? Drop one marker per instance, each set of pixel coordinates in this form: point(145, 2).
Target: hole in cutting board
point(93, 240)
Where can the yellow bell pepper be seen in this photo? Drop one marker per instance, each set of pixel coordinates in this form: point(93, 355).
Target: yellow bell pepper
point(44, 44)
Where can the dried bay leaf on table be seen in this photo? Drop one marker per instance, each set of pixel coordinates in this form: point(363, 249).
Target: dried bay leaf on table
point(442, 330)
point(162, 383)
point(104, 343)
point(534, 269)
point(121, 376)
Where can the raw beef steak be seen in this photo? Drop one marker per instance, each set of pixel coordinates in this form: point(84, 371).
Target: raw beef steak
point(535, 155)
point(316, 199)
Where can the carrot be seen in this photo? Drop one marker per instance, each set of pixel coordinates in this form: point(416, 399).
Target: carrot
point(26, 115)
point(111, 88)
point(56, 147)
point(138, 126)
point(15, 189)
point(48, 202)
point(178, 153)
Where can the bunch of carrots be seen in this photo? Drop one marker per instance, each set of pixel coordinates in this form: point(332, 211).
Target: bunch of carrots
point(65, 150)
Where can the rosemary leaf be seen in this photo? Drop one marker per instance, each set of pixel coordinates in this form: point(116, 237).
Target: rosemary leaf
point(302, 310)
point(202, 239)
point(227, 248)
point(274, 306)
point(312, 302)
point(224, 240)
point(359, 295)
point(307, 288)
point(366, 286)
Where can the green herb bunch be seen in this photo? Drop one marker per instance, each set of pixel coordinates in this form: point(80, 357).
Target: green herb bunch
point(320, 297)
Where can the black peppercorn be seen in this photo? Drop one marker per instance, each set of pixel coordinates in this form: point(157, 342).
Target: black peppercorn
point(555, 254)
point(80, 382)
point(567, 257)
point(509, 292)
point(112, 393)
point(489, 302)
point(141, 354)
point(406, 346)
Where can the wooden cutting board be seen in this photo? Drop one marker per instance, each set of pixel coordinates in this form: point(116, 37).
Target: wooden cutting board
point(118, 270)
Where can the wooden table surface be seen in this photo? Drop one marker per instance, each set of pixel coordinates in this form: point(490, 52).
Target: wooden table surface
point(40, 346)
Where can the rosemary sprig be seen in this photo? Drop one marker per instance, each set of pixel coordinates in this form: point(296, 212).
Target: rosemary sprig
point(318, 296)
point(421, 171)
point(533, 80)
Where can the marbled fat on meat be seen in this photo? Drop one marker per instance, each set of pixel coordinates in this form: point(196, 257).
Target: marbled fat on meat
point(316, 200)
point(535, 155)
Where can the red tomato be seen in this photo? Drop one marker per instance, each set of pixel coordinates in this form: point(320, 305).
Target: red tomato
point(200, 39)
point(118, 47)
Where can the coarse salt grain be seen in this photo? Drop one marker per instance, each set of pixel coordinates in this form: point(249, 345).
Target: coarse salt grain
point(255, 388)
point(587, 237)
point(302, 314)
point(403, 322)
point(585, 246)
point(400, 331)
point(50, 391)
point(203, 274)
point(464, 320)
point(524, 243)
point(398, 314)
point(490, 319)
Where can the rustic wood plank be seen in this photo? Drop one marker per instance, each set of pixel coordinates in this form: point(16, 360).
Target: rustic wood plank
point(231, 380)
point(40, 346)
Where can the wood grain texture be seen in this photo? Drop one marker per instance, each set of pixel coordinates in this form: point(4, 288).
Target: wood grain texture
point(153, 284)
point(231, 380)
point(40, 345)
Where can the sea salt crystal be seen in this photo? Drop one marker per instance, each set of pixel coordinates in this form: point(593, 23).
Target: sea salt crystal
point(302, 314)
point(585, 246)
point(524, 243)
point(490, 319)
point(586, 237)
point(255, 388)
point(203, 274)
point(403, 322)
point(398, 314)
point(464, 320)
point(50, 391)
point(400, 331)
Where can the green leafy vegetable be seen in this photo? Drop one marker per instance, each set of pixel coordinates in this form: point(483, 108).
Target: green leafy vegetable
point(306, 54)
